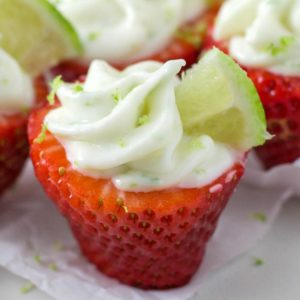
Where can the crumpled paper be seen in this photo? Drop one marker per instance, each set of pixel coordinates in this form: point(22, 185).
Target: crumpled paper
point(286, 176)
point(35, 243)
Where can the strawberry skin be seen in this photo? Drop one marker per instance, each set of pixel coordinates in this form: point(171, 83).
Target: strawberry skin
point(149, 240)
point(281, 99)
point(13, 148)
point(13, 141)
point(280, 96)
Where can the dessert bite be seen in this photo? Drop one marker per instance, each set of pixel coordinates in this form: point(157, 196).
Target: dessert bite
point(125, 32)
point(264, 38)
point(26, 51)
point(142, 162)
point(17, 96)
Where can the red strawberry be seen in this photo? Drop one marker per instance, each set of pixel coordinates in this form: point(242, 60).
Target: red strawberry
point(281, 99)
point(13, 141)
point(149, 240)
point(280, 96)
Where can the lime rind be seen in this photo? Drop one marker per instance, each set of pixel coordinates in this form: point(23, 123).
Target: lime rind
point(36, 34)
point(248, 102)
point(65, 28)
point(232, 114)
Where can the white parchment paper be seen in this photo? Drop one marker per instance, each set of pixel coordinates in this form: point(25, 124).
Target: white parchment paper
point(35, 243)
point(286, 176)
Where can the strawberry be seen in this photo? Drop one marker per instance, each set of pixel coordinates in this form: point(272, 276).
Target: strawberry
point(149, 240)
point(13, 148)
point(13, 141)
point(281, 99)
point(280, 96)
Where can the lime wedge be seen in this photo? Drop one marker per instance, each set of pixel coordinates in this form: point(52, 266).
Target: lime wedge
point(217, 98)
point(36, 34)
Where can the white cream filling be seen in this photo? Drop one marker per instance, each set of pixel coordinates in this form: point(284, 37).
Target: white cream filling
point(121, 31)
point(126, 126)
point(262, 33)
point(16, 88)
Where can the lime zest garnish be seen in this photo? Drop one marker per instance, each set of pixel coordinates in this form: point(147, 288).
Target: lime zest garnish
point(77, 88)
point(116, 96)
point(133, 185)
point(55, 84)
point(53, 267)
point(142, 120)
point(284, 44)
point(122, 143)
point(27, 287)
point(259, 216)
point(93, 36)
point(41, 137)
point(46, 39)
point(195, 144)
point(37, 259)
point(257, 262)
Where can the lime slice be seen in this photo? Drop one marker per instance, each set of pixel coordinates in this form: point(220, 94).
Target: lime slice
point(217, 98)
point(36, 34)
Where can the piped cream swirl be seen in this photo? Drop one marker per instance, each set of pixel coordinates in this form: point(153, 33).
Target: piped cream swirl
point(16, 89)
point(262, 33)
point(126, 126)
point(121, 31)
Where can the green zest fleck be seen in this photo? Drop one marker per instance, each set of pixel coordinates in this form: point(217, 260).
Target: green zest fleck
point(142, 120)
point(26, 288)
point(259, 216)
point(116, 96)
point(121, 143)
point(284, 44)
point(257, 262)
point(200, 171)
point(77, 88)
point(55, 85)
point(53, 267)
point(196, 144)
point(41, 137)
point(93, 36)
point(37, 258)
point(61, 171)
point(133, 185)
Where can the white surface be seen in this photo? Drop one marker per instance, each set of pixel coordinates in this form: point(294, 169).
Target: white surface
point(36, 226)
point(277, 279)
point(285, 176)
